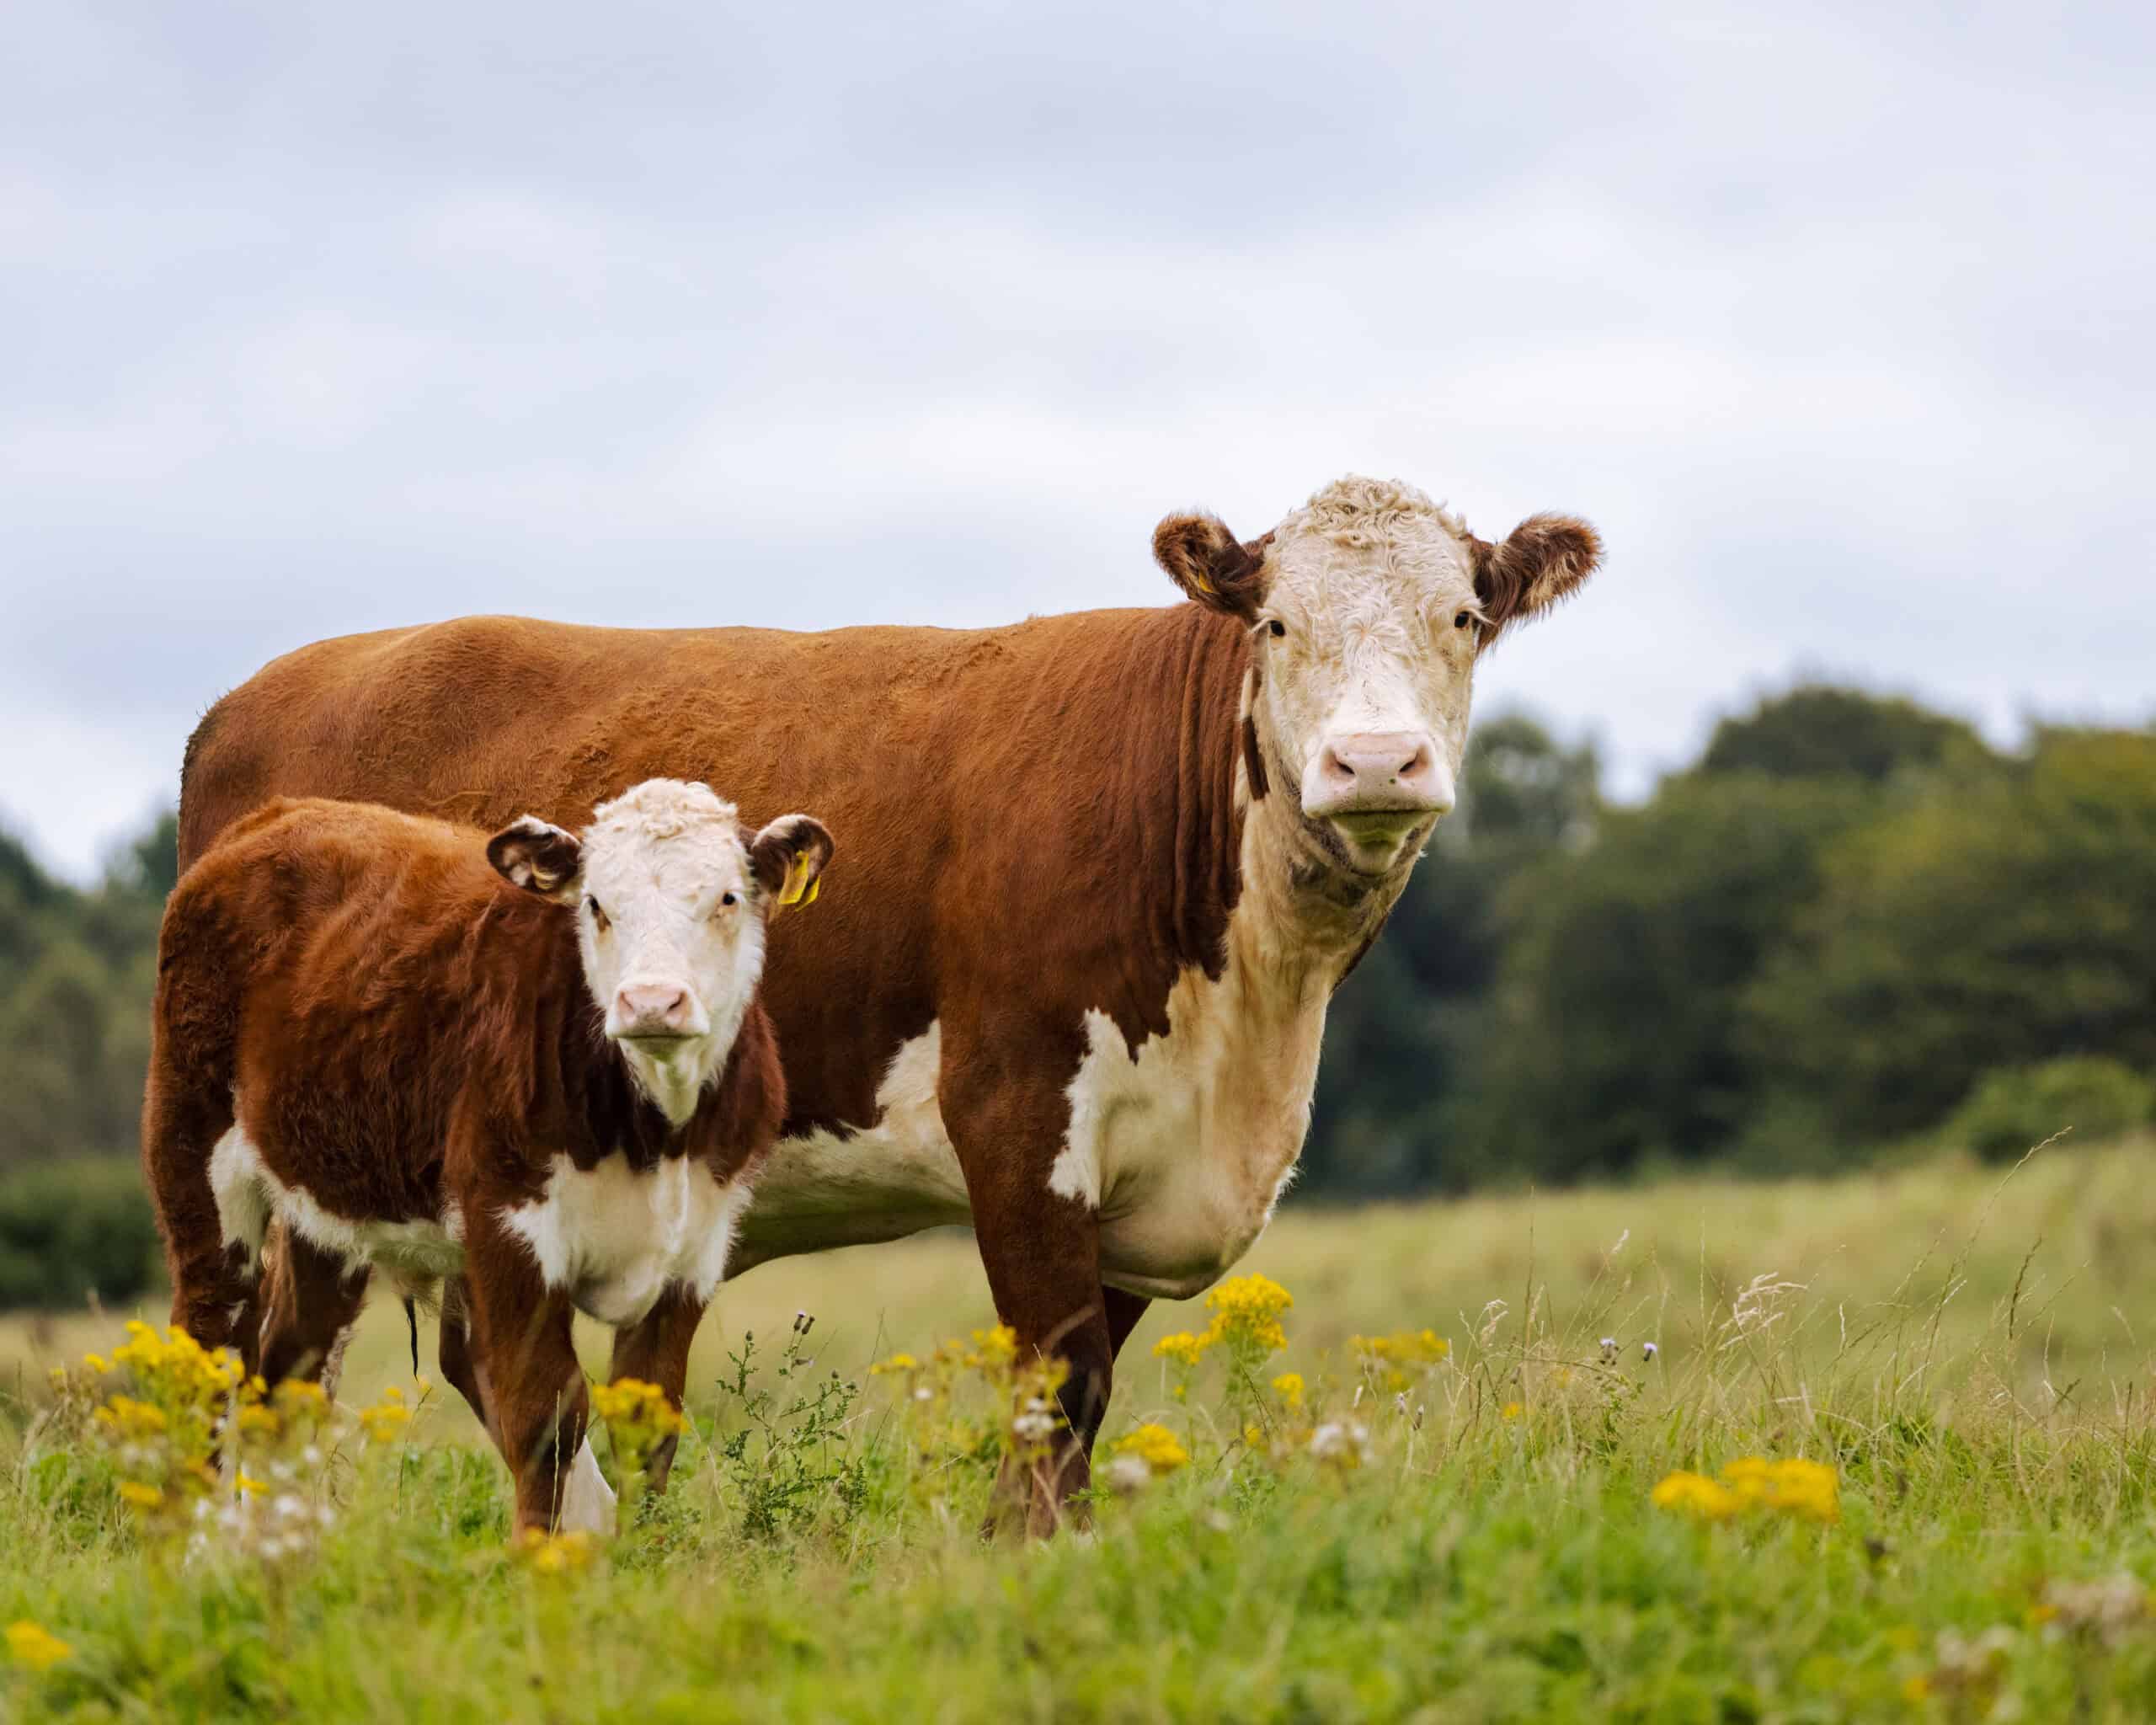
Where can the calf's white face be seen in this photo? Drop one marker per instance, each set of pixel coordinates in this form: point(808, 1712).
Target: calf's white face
point(671, 895)
point(1369, 607)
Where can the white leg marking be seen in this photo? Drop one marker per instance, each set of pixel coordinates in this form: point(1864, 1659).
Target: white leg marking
point(587, 1500)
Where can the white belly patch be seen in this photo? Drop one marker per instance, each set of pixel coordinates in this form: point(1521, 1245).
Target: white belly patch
point(1183, 1151)
point(249, 1195)
point(880, 1182)
point(617, 1239)
point(613, 1238)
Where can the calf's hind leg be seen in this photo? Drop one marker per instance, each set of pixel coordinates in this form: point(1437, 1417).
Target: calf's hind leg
point(310, 1300)
point(187, 1113)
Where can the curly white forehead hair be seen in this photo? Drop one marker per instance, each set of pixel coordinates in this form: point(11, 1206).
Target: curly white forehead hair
point(1360, 512)
point(663, 808)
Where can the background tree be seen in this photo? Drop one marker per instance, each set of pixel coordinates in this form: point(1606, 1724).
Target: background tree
point(2008, 921)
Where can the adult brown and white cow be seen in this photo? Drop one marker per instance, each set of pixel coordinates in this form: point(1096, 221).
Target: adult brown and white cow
point(1106, 868)
point(535, 1066)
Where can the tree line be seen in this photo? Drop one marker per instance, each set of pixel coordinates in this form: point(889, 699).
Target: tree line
point(1849, 926)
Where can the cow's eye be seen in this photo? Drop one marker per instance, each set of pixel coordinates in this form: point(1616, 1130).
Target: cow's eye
point(598, 911)
point(725, 900)
point(1463, 620)
point(1278, 629)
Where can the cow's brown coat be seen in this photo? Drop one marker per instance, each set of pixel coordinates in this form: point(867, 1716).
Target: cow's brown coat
point(1043, 819)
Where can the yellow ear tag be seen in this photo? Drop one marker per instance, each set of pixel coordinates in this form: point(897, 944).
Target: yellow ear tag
point(1204, 585)
point(815, 886)
point(796, 882)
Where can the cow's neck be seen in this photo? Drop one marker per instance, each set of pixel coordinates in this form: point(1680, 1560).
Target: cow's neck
point(1303, 918)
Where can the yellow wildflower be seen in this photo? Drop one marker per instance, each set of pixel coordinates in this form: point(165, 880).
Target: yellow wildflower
point(896, 1363)
point(33, 1645)
point(1183, 1347)
point(96, 1363)
point(141, 1496)
point(1246, 1311)
point(301, 1396)
point(993, 1346)
point(1289, 1387)
point(1795, 1487)
point(1404, 1348)
point(633, 1403)
point(545, 1553)
point(1156, 1446)
point(1513, 1410)
point(385, 1420)
point(1695, 1495)
point(252, 1488)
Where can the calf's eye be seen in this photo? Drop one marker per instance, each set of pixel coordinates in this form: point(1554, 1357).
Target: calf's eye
point(598, 914)
point(724, 900)
point(1463, 620)
point(1278, 628)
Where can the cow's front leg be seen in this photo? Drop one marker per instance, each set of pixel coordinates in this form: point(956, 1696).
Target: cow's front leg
point(522, 1349)
point(1041, 1248)
point(656, 1350)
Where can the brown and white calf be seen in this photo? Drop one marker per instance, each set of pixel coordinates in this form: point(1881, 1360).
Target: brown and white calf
point(534, 1065)
point(1109, 868)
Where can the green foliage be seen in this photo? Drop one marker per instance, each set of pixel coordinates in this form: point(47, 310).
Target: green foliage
point(71, 1229)
point(1613, 1030)
point(789, 1457)
point(76, 972)
point(2004, 920)
point(1817, 731)
point(2095, 1098)
point(1813, 944)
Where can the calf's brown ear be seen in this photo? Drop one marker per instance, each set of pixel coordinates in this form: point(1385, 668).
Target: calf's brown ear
point(1542, 560)
point(789, 856)
point(539, 857)
point(1211, 565)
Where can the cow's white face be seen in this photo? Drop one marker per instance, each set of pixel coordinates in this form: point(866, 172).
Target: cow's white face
point(671, 896)
point(1369, 607)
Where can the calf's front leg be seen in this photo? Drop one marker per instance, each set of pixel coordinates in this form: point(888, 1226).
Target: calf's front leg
point(656, 1350)
point(522, 1349)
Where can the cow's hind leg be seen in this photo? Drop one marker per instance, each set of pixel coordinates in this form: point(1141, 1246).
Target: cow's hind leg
point(310, 1300)
point(656, 1350)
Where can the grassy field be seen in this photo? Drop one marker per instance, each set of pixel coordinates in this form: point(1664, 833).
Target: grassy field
point(1462, 1525)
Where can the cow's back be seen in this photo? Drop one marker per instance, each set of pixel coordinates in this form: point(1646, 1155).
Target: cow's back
point(966, 774)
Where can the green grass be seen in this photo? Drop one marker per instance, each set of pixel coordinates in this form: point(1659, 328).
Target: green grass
point(1963, 1348)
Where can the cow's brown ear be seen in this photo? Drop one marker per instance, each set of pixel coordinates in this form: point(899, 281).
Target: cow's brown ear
point(789, 856)
point(1211, 565)
point(1544, 560)
point(539, 857)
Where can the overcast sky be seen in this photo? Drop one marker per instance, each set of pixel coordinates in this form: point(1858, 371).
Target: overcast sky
point(322, 318)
